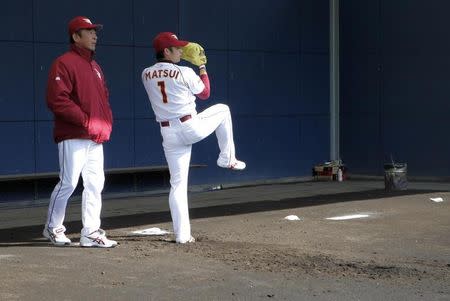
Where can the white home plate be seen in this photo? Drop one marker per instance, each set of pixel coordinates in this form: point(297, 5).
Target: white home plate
point(345, 217)
point(292, 218)
point(151, 231)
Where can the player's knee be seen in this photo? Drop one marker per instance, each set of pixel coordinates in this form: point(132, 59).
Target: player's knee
point(176, 182)
point(94, 183)
point(223, 107)
point(68, 185)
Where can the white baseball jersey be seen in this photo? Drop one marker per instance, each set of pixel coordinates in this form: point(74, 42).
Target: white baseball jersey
point(171, 90)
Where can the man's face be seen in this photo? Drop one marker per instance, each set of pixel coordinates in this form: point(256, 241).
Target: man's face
point(173, 54)
point(86, 38)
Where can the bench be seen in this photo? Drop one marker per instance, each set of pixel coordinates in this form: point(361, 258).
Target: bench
point(34, 186)
point(110, 171)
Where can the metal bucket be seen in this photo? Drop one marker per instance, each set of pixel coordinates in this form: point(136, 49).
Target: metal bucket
point(395, 176)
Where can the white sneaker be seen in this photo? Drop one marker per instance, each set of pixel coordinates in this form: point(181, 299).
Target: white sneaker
point(56, 236)
point(236, 165)
point(190, 240)
point(97, 239)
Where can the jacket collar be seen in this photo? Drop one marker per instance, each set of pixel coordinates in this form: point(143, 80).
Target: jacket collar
point(85, 53)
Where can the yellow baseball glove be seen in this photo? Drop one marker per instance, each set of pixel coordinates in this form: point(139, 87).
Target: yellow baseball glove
point(194, 54)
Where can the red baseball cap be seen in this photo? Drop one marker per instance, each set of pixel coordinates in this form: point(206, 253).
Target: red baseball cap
point(81, 22)
point(165, 40)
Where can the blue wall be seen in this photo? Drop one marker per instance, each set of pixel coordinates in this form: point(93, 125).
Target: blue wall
point(268, 60)
point(395, 85)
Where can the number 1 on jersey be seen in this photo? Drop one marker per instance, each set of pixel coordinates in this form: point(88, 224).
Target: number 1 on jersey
point(162, 87)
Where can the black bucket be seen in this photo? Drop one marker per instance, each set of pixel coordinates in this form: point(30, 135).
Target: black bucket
point(395, 176)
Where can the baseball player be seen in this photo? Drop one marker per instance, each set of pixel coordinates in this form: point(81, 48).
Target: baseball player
point(78, 97)
point(172, 91)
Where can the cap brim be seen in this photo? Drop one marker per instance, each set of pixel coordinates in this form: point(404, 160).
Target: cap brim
point(181, 43)
point(97, 26)
point(93, 26)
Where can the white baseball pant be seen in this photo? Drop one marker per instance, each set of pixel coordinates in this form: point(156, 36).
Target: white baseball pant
point(85, 157)
point(177, 142)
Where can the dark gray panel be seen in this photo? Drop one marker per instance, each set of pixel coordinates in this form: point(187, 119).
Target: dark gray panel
point(148, 150)
point(16, 21)
point(46, 148)
point(264, 25)
point(314, 18)
point(45, 54)
point(119, 150)
point(117, 19)
point(361, 143)
point(314, 140)
point(51, 20)
point(217, 73)
point(16, 81)
point(261, 83)
point(415, 26)
point(152, 17)
point(360, 23)
point(262, 143)
point(206, 23)
point(144, 57)
point(416, 83)
point(419, 140)
point(315, 86)
point(360, 83)
point(117, 65)
point(415, 56)
point(18, 154)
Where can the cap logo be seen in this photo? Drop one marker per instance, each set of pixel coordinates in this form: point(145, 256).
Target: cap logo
point(87, 21)
point(174, 36)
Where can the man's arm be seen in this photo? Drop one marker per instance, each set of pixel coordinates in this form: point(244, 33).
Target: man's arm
point(59, 88)
point(205, 79)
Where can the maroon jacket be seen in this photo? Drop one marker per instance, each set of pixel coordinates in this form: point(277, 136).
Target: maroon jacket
point(78, 97)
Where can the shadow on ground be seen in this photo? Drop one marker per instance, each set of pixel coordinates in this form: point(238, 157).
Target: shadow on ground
point(32, 235)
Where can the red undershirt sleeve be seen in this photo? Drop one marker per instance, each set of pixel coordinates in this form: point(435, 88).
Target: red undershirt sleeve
point(206, 91)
